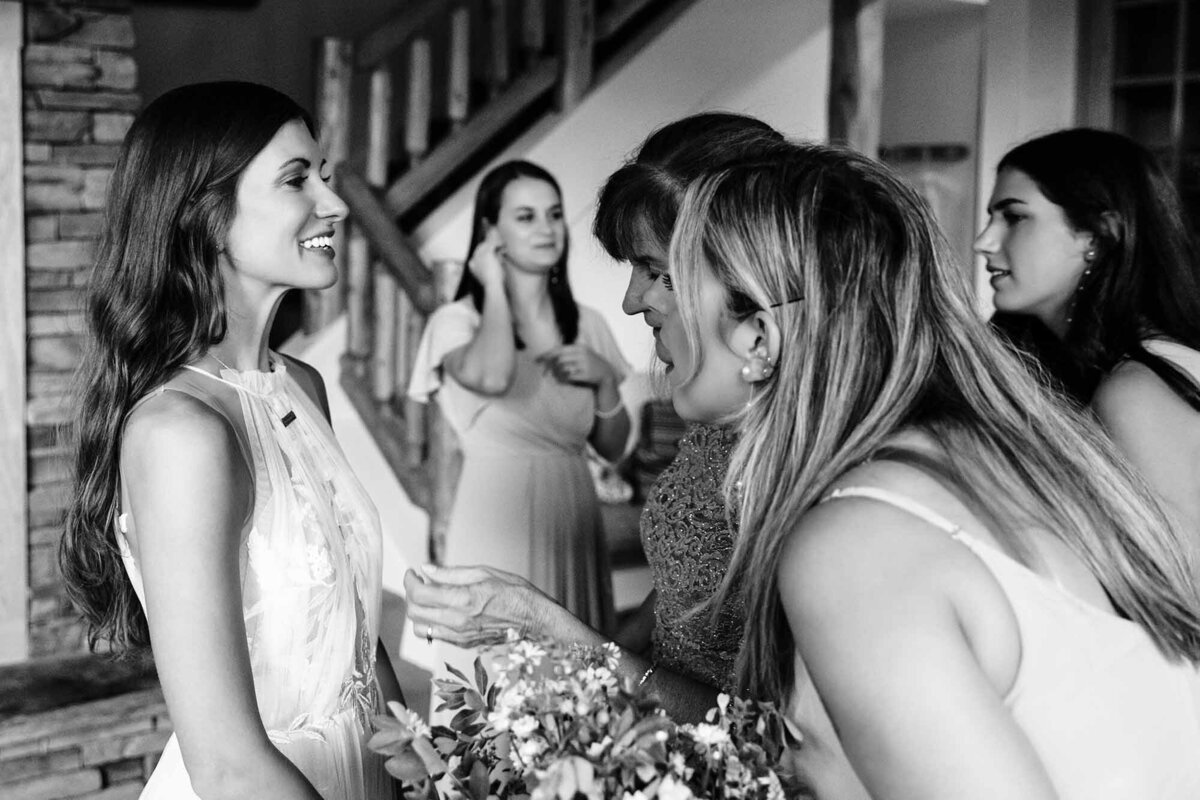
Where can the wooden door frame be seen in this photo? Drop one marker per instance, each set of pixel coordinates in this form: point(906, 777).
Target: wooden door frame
point(14, 532)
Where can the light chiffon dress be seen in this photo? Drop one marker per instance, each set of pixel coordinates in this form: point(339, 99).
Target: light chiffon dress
point(1109, 716)
point(525, 501)
point(310, 562)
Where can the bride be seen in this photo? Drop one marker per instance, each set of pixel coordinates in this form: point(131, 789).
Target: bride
point(214, 518)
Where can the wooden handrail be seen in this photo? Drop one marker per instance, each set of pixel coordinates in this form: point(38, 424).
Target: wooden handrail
point(617, 16)
point(410, 187)
point(393, 34)
point(390, 292)
point(393, 248)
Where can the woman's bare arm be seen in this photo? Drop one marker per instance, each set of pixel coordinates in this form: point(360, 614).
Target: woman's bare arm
point(190, 493)
point(476, 606)
point(866, 590)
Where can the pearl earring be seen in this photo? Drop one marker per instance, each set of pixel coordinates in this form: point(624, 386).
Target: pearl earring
point(758, 365)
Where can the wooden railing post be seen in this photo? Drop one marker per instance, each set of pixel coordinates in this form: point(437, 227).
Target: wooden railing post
point(501, 73)
point(335, 64)
point(458, 95)
point(420, 101)
point(14, 483)
point(408, 337)
point(856, 74)
point(533, 31)
point(578, 45)
point(359, 317)
point(445, 460)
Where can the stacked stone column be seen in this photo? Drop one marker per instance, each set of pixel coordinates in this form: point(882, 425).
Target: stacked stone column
point(80, 96)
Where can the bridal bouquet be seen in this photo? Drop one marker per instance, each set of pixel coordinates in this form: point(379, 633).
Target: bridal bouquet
point(558, 723)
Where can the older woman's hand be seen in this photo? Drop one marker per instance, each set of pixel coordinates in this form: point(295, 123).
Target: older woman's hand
point(475, 606)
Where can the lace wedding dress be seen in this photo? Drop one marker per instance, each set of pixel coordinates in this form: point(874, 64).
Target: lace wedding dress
point(311, 586)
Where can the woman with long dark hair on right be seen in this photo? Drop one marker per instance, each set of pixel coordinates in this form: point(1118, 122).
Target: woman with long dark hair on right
point(1097, 276)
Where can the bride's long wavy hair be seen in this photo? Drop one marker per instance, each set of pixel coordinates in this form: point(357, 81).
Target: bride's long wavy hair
point(883, 335)
point(155, 302)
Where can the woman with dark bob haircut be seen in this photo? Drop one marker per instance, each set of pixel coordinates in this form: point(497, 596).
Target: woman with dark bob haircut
point(214, 518)
point(686, 660)
point(1096, 275)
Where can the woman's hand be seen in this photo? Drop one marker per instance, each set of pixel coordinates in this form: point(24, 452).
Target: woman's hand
point(476, 606)
point(580, 365)
point(487, 261)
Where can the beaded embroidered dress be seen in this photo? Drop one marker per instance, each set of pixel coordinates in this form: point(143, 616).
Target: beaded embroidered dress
point(688, 544)
point(310, 560)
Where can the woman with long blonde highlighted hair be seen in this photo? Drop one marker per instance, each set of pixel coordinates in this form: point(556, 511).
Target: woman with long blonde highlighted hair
point(947, 559)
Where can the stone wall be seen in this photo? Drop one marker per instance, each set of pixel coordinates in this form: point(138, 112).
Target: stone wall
point(80, 727)
point(80, 96)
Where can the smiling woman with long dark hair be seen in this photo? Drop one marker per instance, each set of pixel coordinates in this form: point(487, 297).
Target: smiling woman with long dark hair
point(214, 518)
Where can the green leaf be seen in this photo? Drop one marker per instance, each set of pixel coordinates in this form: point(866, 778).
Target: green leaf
point(456, 673)
point(429, 756)
point(406, 767)
point(390, 741)
point(463, 718)
point(481, 676)
point(478, 780)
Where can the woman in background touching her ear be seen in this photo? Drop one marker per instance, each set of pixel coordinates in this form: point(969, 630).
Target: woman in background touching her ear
point(527, 378)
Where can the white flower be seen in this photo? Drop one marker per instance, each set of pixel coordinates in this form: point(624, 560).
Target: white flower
point(671, 789)
point(710, 735)
point(595, 750)
point(524, 726)
point(531, 749)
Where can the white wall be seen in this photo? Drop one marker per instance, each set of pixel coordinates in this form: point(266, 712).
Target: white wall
point(1029, 84)
point(768, 58)
point(931, 67)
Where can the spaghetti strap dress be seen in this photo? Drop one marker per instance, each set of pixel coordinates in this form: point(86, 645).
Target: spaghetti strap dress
point(310, 559)
point(1110, 716)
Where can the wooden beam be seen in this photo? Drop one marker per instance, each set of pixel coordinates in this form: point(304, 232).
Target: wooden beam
point(856, 74)
point(334, 69)
point(578, 47)
point(1093, 97)
point(410, 187)
point(617, 15)
point(395, 33)
point(394, 251)
point(14, 532)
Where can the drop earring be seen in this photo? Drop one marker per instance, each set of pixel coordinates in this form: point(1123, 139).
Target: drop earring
point(758, 365)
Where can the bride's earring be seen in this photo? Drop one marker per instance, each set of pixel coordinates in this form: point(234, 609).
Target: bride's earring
point(758, 365)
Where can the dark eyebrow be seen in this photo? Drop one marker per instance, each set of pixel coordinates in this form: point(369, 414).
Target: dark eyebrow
point(1000, 205)
point(557, 206)
point(303, 162)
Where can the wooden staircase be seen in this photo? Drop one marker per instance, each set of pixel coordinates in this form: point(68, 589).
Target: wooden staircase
point(473, 75)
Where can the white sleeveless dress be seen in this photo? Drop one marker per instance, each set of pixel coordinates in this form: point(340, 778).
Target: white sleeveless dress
point(311, 590)
point(1109, 716)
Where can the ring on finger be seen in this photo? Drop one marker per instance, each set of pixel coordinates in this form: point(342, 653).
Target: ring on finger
point(429, 634)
